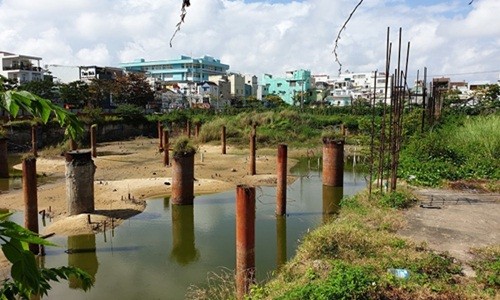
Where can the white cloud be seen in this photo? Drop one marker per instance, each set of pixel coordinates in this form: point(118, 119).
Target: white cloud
point(258, 37)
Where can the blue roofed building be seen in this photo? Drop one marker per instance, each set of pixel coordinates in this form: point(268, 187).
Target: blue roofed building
point(185, 69)
point(295, 85)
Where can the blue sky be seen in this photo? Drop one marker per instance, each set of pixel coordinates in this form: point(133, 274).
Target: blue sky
point(272, 36)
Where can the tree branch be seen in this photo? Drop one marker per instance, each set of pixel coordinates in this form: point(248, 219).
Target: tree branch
point(185, 3)
point(340, 32)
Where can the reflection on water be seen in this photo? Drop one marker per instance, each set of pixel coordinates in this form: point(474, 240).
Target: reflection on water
point(331, 202)
point(82, 254)
point(183, 246)
point(159, 253)
point(281, 241)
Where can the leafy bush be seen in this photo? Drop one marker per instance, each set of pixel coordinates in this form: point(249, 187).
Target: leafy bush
point(130, 113)
point(397, 199)
point(345, 281)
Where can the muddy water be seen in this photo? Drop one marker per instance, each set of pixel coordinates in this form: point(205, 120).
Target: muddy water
point(159, 253)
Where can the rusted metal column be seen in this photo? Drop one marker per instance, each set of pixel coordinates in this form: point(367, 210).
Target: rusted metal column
point(245, 239)
point(183, 179)
point(223, 139)
point(34, 141)
point(333, 162)
point(30, 199)
point(4, 162)
point(197, 129)
point(160, 136)
point(281, 180)
point(93, 139)
point(183, 239)
point(331, 201)
point(80, 170)
point(73, 145)
point(188, 128)
point(166, 146)
point(281, 241)
point(252, 152)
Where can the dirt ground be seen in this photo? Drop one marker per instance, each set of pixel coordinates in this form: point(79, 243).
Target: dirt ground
point(454, 221)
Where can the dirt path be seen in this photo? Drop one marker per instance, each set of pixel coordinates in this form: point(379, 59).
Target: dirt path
point(454, 221)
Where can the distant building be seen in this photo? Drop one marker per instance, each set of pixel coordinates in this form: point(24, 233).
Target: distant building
point(251, 85)
point(184, 69)
point(295, 84)
point(236, 83)
point(23, 68)
point(87, 73)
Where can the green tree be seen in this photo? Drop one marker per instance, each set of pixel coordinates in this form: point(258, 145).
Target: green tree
point(274, 100)
point(100, 91)
point(12, 101)
point(132, 89)
point(43, 88)
point(74, 94)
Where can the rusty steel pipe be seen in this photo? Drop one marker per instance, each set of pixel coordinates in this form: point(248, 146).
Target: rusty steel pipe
point(73, 145)
point(333, 162)
point(93, 140)
point(30, 199)
point(245, 239)
point(34, 140)
point(4, 162)
point(160, 136)
point(183, 179)
point(252, 168)
point(197, 129)
point(166, 146)
point(223, 139)
point(281, 180)
point(188, 129)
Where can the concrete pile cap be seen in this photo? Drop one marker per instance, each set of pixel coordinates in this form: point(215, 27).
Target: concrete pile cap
point(78, 157)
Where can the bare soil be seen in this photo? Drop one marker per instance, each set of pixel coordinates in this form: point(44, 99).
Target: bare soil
point(454, 221)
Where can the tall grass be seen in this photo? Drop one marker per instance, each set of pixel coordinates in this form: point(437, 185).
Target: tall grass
point(467, 149)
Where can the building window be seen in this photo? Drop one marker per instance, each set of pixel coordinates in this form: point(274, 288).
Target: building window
point(279, 85)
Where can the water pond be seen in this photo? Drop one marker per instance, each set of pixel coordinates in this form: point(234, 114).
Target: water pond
point(159, 253)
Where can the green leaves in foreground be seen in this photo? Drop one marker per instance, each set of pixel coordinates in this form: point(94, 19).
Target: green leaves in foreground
point(26, 278)
point(13, 101)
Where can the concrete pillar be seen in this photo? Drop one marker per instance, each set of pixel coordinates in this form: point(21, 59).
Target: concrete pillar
point(280, 241)
point(4, 162)
point(331, 201)
point(183, 179)
point(30, 199)
point(281, 170)
point(245, 239)
point(34, 141)
point(252, 168)
point(183, 239)
point(166, 146)
point(223, 139)
point(333, 162)
point(160, 135)
point(93, 140)
point(80, 170)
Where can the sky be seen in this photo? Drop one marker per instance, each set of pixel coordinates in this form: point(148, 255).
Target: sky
point(451, 38)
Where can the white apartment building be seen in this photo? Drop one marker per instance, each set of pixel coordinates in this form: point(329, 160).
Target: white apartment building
point(23, 68)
